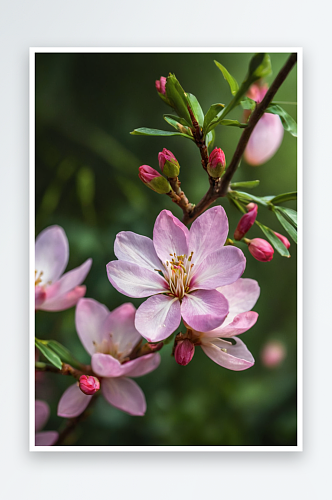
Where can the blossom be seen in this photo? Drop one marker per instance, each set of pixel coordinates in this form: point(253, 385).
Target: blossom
point(267, 134)
point(283, 239)
point(109, 337)
point(55, 291)
point(217, 163)
point(161, 85)
point(168, 163)
point(242, 296)
point(246, 221)
point(181, 269)
point(42, 413)
point(261, 249)
point(89, 385)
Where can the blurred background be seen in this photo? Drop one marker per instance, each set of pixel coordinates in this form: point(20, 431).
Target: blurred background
point(87, 182)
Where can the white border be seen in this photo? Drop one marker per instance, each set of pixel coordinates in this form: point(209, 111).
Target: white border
point(299, 446)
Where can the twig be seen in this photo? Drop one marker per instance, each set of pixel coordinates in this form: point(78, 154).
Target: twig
point(65, 370)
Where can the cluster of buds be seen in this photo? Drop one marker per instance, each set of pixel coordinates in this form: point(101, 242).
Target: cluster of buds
point(89, 385)
point(154, 180)
point(217, 163)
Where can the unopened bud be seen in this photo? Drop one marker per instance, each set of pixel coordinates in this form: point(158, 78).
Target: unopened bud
point(283, 239)
point(161, 85)
point(260, 249)
point(154, 180)
point(246, 221)
point(89, 385)
point(168, 163)
point(184, 352)
point(217, 163)
point(273, 353)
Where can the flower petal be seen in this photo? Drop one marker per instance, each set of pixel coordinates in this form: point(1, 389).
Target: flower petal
point(120, 327)
point(137, 249)
point(67, 282)
point(239, 324)
point(73, 402)
point(242, 295)
point(65, 301)
point(264, 140)
point(204, 310)
point(46, 438)
point(219, 268)
point(90, 316)
point(158, 317)
point(52, 253)
point(169, 236)
point(40, 296)
point(208, 233)
point(125, 394)
point(42, 413)
point(133, 280)
point(104, 365)
point(141, 366)
point(237, 357)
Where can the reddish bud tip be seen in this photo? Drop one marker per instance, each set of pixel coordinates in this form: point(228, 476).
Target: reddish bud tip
point(89, 385)
point(147, 174)
point(161, 85)
point(261, 249)
point(217, 163)
point(168, 163)
point(184, 352)
point(246, 221)
point(153, 179)
point(283, 239)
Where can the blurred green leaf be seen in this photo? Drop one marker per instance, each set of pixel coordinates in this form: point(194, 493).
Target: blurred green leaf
point(234, 86)
point(177, 96)
point(196, 108)
point(48, 353)
point(245, 184)
point(259, 67)
point(209, 140)
point(156, 132)
point(274, 240)
point(287, 121)
point(213, 113)
point(248, 103)
point(64, 354)
point(284, 197)
point(289, 214)
point(287, 226)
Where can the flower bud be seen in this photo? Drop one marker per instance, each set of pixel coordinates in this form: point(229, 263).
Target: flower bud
point(161, 85)
point(217, 163)
point(261, 249)
point(283, 239)
point(246, 221)
point(168, 163)
point(153, 179)
point(273, 353)
point(89, 385)
point(184, 352)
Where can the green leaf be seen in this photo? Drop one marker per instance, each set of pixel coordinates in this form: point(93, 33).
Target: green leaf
point(156, 132)
point(245, 184)
point(196, 108)
point(232, 123)
point(287, 226)
point(259, 67)
point(234, 86)
point(284, 197)
point(213, 113)
point(247, 198)
point(48, 353)
point(209, 139)
point(287, 121)
point(274, 240)
point(175, 122)
point(289, 214)
point(177, 97)
point(64, 354)
point(248, 103)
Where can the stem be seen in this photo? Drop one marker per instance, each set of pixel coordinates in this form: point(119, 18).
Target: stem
point(72, 422)
point(178, 196)
point(65, 370)
point(221, 186)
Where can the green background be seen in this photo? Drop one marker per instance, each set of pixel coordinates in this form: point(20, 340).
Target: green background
point(86, 181)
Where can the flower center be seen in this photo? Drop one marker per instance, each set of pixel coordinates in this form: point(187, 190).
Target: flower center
point(108, 346)
point(38, 277)
point(178, 273)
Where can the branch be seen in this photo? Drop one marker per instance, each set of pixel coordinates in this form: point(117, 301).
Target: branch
point(65, 370)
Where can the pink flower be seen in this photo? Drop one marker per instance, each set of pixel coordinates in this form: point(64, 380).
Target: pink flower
point(109, 337)
point(217, 163)
point(273, 353)
point(153, 179)
point(181, 269)
point(42, 413)
point(267, 134)
point(261, 249)
point(246, 221)
point(55, 291)
point(242, 296)
point(89, 385)
point(283, 239)
point(161, 85)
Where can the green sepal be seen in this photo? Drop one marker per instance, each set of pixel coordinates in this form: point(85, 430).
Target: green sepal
point(165, 99)
point(160, 185)
point(287, 121)
point(48, 353)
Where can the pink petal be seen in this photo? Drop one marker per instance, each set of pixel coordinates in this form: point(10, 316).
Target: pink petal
point(90, 316)
point(158, 317)
point(169, 236)
point(52, 253)
point(239, 324)
point(141, 366)
point(120, 327)
point(104, 365)
point(242, 295)
point(42, 413)
point(40, 296)
point(68, 281)
point(236, 358)
point(47, 438)
point(65, 301)
point(125, 394)
point(265, 140)
point(219, 268)
point(204, 310)
point(73, 402)
point(137, 249)
point(133, 280)
point(208, 233)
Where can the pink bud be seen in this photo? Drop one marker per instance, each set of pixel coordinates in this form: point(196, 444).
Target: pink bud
point(217, 162)
point(283, 239)
point(161, 85)
point(153, 179)
point(168, 163)
point(261, 249)
point(184, 352)
point(147, 174)
point(89, 385)
point(246, 221)
point(273, 353)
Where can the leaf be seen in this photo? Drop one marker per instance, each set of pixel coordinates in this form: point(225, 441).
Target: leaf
point(64, 354)
point(209, 139)
point(289, 214)
point(214, 111)
point(246, 198)
point(196, 108)
point(287, 226)
point(232, 123)
point(245, 184)
point(274, 240)
point(48, 353)
point(284, 197)
point(259, 66)
point(287, 121)
point(248, 103)
point(234, 86)
point(175, 122)
point(156, 132)
point(177, 97)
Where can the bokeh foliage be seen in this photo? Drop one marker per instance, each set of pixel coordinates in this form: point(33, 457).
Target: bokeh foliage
point(86, 181)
